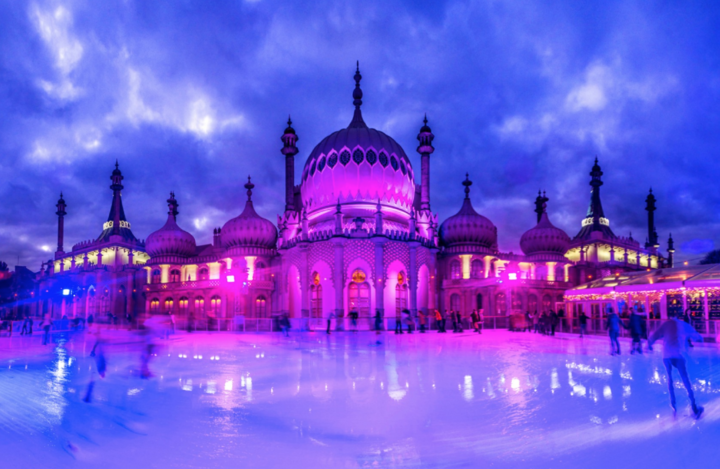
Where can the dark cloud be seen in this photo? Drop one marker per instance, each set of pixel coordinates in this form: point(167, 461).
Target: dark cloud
point(193, 97)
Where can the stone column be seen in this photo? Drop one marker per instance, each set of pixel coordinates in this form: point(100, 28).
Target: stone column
point(379, 275)
point(304, 283)
point(433, 280)
point(413, 281)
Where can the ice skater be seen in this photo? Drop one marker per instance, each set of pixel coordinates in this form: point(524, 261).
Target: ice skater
point(408, 320)
point(582, 319)
point(474, 319)
point(330, 317)
point(614, 323)
point(27, 326)
point(378, 325)
point(100, 364)
point(354, 320)
point(636, 330)
point(46, 325)
point(440, 321)
point(398, 321)
point(481, 320)
point(422, 320)
point(285, 325)
point(454, 321)
point(674, 334)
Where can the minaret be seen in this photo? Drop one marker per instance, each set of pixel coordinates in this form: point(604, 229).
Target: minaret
point(671, 252)
point(116, 187)
point(289, 149)
point(540, 202)
point(595, 211)
point(61, 222)
point(425, 137)
point(357, 120)
point(652, 233)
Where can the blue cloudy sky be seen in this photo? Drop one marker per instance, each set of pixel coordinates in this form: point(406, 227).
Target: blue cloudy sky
point(193, 96)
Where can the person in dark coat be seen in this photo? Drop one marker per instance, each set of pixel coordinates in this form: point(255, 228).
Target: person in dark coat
point(636, 329)
point(582, 319)
point(614, 323)
point(453, 318)
point(553, 321)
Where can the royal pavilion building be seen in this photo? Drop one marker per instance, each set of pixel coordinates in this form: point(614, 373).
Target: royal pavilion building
point(357, 234)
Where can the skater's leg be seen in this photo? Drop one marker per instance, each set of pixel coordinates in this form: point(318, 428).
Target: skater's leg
point(679, 363)
point(671, 387)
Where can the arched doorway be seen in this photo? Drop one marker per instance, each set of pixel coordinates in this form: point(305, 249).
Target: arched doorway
point(260, 307)
point(359, 294)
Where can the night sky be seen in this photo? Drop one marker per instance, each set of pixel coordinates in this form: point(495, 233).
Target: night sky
point(193, 97)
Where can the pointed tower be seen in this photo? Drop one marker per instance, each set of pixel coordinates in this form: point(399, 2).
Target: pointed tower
point(595, 220)
point(61, 223)
point(425, 137)
point(652, 232)
point(671, 252)
point(540, 202)
point(117, 224)
point(289, 149)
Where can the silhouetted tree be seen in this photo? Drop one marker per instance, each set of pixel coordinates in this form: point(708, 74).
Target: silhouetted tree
point(3, 266)
point(713, 257)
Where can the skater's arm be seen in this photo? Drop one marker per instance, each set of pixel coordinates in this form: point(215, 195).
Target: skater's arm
point(657, 335)
point(691, 333)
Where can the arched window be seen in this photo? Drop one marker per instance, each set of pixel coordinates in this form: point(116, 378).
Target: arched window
point(359, 294)
point(216, 306)
point(199, 306)
point(156, 276)
point(174, 276)
point(476, 269)
point(455, 270)
point(260, 273)
point(532, 303)
point(546, 303)
point(516, 301)
point(501, 304)
point(455, 302)
point(183, 306)
point(203, 275)
point(260, 307)
point(154, 306)
point(316, 296)
point(401, 293)
point(169, 305)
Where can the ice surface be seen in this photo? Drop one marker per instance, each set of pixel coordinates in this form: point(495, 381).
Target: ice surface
point(499, 399)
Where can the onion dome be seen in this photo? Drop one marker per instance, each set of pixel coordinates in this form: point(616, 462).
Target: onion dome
point(544, 238)
point(170, 241)
point(248, 233)
point(357, 165)
point(467, 228)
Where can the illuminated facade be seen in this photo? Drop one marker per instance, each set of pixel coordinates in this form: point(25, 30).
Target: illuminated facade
point(357, 234)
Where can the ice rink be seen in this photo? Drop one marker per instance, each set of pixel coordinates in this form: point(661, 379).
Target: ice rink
point(499, 399)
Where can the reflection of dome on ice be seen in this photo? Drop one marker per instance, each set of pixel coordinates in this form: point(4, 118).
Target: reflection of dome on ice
point(357, 164)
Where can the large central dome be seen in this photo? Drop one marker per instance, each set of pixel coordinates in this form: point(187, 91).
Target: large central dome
point(357, 166)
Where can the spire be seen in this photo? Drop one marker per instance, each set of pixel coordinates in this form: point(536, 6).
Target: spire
point(289, 139)
point(116, 223)
point(289, 149)
point(652, 232)
point(172, 206)
point(61, 221)
point(357, 121)
point(467, 183)
point(425, 137)
point(595, 220)
point(671, 251)
point(249, 186)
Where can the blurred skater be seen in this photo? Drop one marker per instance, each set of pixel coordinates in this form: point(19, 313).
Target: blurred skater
point(582, 319)
point(27, 326)
point(398, 321)
point(554, 320)
point(614, 323)
point(46, 325)
point(191, 321)
point(481, 320)
point(453, 318)
point(354, 320)
point(378, 325)
point(636, 330)
point(674, 334)
point(474, 319)
point(330, 317)
point(440, 321)
point(100, 364)
point(422, 320)
point(285, 324)
point(408, 320)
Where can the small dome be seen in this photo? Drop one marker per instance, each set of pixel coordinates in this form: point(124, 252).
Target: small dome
point(467, 227)
point(544, 238)
point(249, 230)
point(170, 240)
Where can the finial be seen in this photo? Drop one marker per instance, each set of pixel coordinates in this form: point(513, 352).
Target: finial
point(467, 183)
point(289, 121)
point(596, 160)
point(357, 121)
point(249, 186)
point(425, 121)
point(378, 206)
point(172, 205)
point(116, 163)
